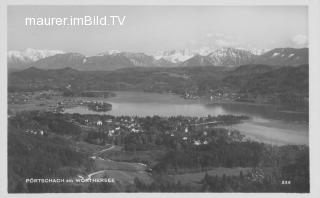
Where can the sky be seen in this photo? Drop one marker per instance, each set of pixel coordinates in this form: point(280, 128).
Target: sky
point(159, 28)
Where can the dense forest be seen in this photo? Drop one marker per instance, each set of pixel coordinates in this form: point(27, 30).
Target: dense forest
point(35, 156)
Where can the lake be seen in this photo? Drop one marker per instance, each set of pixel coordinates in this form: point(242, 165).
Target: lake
point(266, 123)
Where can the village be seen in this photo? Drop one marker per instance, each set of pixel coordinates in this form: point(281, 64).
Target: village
point(53, 101)
point(108, 129)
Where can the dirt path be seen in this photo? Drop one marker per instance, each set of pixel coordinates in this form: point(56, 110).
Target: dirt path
point(107, 149)
point(95, 173)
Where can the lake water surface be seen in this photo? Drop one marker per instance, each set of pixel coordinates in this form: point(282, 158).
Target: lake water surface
point(266, 123)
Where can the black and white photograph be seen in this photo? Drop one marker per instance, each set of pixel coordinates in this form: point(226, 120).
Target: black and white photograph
point(158, 99)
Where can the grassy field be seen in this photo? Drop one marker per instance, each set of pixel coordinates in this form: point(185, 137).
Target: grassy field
point(85, 147)
point(108, 164)
point(149, 157)
point(122, 172)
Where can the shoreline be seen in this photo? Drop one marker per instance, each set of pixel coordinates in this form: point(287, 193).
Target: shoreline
point(206, 101)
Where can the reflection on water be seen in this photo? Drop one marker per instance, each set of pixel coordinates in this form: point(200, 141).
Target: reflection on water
point(263, 111)
point(267, 124)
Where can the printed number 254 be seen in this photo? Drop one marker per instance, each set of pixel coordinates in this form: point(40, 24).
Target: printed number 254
point(285, 182)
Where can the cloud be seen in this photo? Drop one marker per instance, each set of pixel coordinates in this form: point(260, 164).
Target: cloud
point(300, 39)
point(223, 43)
point(215, 35)
point(225, 40)
point(214, 40)
point(209, 35)
point(218, 34)
point(193, 42)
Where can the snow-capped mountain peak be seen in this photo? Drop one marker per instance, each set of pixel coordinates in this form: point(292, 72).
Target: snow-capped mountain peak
point(231, 56)
point(21, 59)
point(285, 56)
point(109, 52)
point(177, 56)
point(32, 54)
point(174, 56)
point(222, 57)
point(257, 51)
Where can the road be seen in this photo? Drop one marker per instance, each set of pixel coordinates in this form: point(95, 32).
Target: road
point(95, 173)
point(205, 123)
point(107, 149)
point(94, 156)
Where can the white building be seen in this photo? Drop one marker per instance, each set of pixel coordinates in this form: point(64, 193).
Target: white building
point(135, 130)
point(99, 123)
point(197, 142)
point(111, 132)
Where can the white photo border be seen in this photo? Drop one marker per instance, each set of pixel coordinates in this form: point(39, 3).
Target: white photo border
point(314, 89)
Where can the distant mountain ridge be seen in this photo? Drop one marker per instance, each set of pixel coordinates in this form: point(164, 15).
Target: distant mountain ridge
point(175, 56)
point(114, 60)
point(284, 57)
point(222, 57)
point(262, 82)
point(18, 59)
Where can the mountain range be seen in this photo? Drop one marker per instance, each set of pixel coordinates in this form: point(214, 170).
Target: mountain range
point(18, 59)
point(114, 60)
